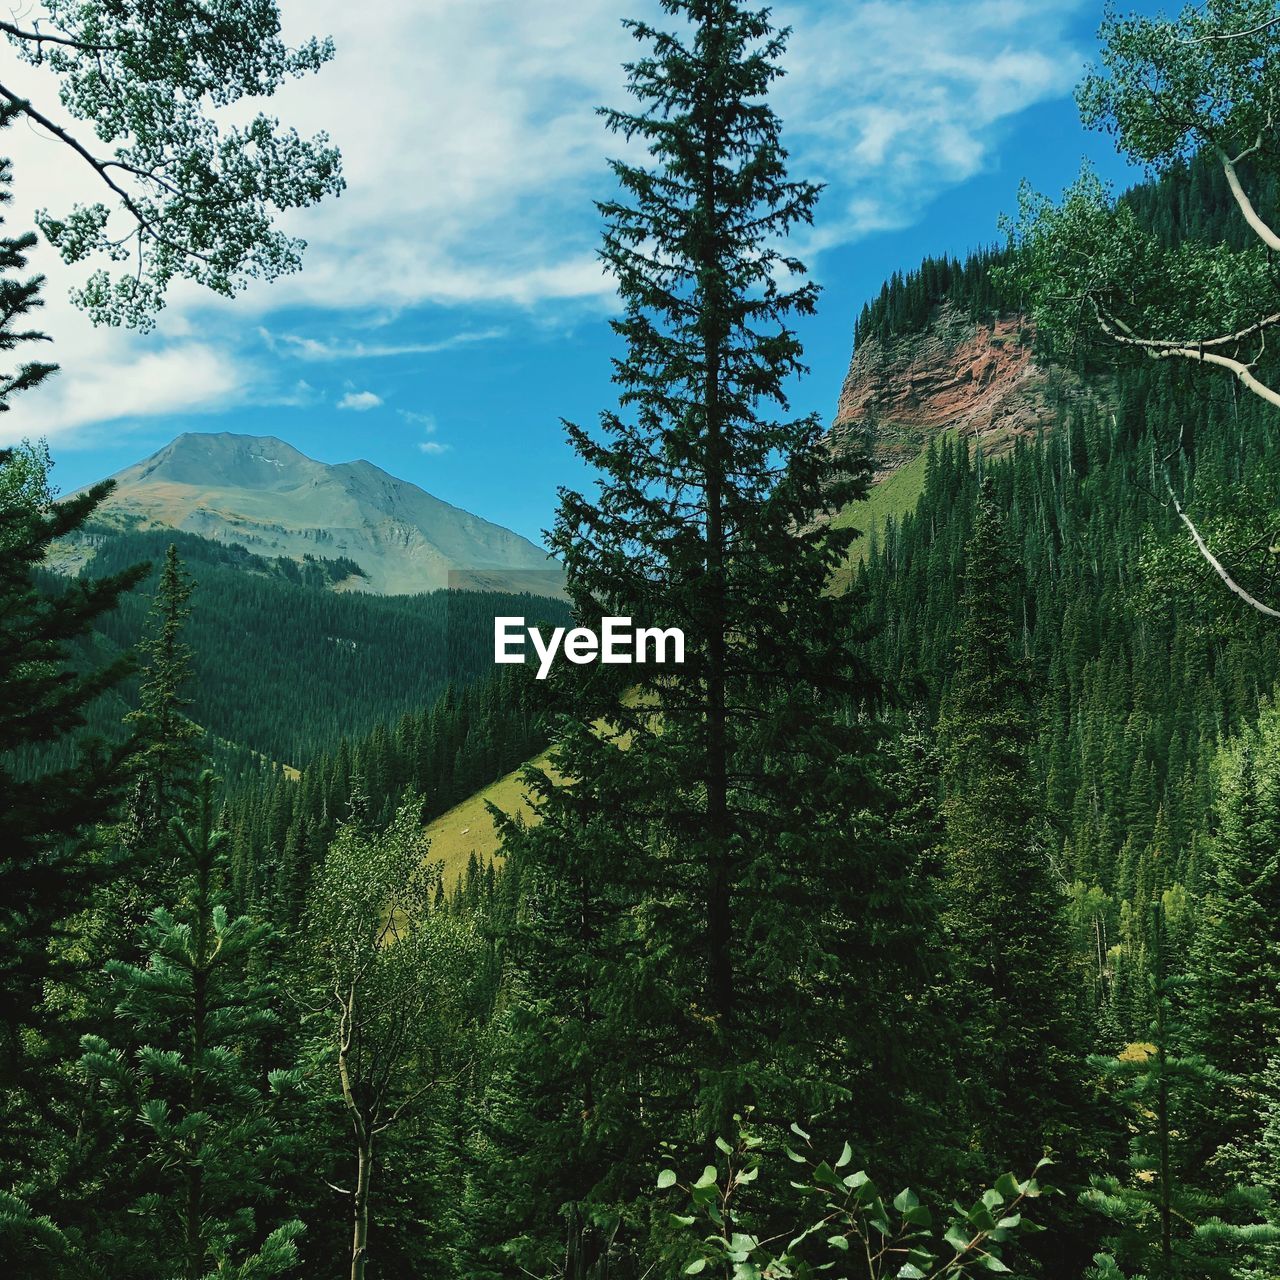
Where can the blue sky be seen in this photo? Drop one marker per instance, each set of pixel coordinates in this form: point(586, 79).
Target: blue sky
point(450, 311)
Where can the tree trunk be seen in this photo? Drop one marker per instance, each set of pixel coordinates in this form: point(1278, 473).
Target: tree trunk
point(719, 880)
point(587, 1248)
point(360, 1210)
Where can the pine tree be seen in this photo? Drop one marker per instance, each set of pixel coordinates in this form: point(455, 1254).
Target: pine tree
point(1237, 949)
point(696, 902)
point(198, 1135)
point(1235, 960)
point(168, 756)
point(46, 808)
point(1005, 909)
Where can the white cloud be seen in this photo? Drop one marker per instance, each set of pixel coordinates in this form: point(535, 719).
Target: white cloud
point(360, 401)
point(424, 420)
point(291, 344)
point(433, 447)
point(128, 385)
point(889, 102)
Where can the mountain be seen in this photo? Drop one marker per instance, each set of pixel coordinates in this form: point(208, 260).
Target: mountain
point(264, 495)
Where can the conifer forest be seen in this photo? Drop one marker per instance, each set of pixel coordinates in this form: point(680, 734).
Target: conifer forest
point(923, 922)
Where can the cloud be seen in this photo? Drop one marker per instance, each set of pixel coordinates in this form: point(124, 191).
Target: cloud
point(360, 401)
point(889, 102)
point(183, 378)
point(318, 349)
point(473, 150)
point(429, 427)
point(424, 420)
point(301, 395)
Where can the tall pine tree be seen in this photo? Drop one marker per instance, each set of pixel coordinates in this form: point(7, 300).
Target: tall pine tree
point(167, 756)
point(1005, 910)
point(46, 811)
point(700, 890)
point(1236, 955)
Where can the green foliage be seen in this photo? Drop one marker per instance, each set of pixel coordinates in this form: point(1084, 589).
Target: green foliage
point(165, 738)
point(464, 740)
point(285, 670)
point(692, 905)
point(45, 813)
point(35, 1239)
point(1235, 1013)
point(1168, 86)
point(839, 1221)
point(193, 1104)
point(1004, 909)
point(190, 194)
point(392, 979)
point(920, 914)
point(1198, 87)
point(1170, 1224)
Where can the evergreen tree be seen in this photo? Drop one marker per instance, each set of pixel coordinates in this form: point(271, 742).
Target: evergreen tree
point(697, 902)
point(1005, 908)
point(167, 753)
point(1237, 950)
point(1170, 1226)
point(46, 810)
point(199, 1140)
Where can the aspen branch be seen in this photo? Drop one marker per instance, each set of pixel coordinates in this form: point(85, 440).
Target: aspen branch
point(1217, 564)
point(1251, 216)
point(143, 219)
point(39, 38)
point(1234, 35)
point(1161, 349)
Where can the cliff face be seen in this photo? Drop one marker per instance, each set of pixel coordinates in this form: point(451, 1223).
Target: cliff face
point(958, 374)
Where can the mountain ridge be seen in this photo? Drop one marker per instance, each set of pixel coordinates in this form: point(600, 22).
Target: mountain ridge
point(262, 493)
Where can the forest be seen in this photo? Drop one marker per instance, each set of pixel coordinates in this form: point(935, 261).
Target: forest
point(923, 926)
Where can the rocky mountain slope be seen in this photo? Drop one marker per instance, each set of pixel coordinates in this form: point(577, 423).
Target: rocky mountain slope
point(959, 374)
point(266, 496)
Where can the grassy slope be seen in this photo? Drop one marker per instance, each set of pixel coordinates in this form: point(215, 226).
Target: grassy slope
point(895, 496)
point(468, 827)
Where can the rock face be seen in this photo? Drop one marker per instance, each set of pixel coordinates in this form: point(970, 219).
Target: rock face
point(979, 379)
point(263, 494)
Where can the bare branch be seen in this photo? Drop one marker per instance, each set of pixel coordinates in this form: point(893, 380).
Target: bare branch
point(1251, 216)
point(1233, 35)
point(1216, 564)
point(1161, 349)
point(39, 38)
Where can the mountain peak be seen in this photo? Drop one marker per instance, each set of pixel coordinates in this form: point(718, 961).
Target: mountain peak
point(265, 495)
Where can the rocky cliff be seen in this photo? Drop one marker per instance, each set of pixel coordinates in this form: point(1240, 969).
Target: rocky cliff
point(959, 374)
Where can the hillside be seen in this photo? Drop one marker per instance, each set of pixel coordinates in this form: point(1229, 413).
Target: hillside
point(470, 829)
point(978, 377)
point(285, 668)
point(262, 494)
